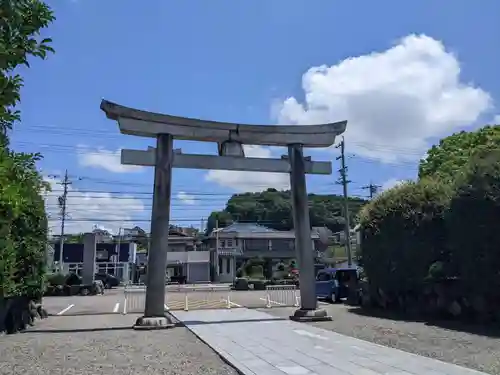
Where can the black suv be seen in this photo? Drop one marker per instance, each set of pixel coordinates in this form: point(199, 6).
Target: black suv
point(108, 280)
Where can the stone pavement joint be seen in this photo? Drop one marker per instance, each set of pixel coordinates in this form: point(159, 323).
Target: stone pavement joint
point(257, 343)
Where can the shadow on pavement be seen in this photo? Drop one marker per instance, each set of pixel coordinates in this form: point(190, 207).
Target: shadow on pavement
point(488, 330)
point(75, 330)
point(83, 313)
point(199, 322)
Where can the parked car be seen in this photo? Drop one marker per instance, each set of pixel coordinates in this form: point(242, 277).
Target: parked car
point(108, 280)
point(332, 284)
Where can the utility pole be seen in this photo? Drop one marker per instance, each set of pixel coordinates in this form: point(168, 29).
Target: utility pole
point(373, 189)
point(62, 204)
point(217, 270)
point(343, 181)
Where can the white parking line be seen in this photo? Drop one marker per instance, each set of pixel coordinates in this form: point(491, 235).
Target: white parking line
point(117, 306)
point(165, 307)
point(65, 310)
point(231, 303)
point(276, 303)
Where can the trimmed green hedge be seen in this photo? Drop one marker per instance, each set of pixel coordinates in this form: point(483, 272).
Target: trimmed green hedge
point(432, 232)
point(404, 234)
point(473, 226)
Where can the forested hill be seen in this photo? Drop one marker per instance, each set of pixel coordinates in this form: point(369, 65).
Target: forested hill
point(273, 209)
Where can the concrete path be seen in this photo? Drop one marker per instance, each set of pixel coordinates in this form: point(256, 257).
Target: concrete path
point(257, 343)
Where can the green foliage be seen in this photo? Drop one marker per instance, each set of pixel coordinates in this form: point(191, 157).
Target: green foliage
point(23, 223)
point(239, 273)
point(273, 208)
point(453, 153)
point(254, 268)
point(21, 22)
point(474, 237)
point(56, 279)
point(403, 235)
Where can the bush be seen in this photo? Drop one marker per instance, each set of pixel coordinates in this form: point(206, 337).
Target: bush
point(254, 268)
point(474, 237)
point(23, 225)
point(241, 284)
point(56, 279)
point(239, 273)
point(403, 235)
point(259, 284)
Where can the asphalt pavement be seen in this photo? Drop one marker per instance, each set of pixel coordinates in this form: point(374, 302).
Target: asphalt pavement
point(113, 301)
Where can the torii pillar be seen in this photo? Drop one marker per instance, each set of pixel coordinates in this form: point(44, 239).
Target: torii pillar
point(230, 139)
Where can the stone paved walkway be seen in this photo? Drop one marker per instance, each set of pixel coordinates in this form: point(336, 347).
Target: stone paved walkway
point(257, 343)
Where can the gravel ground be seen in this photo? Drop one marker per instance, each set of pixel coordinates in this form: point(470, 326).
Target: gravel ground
point(481, 352)
point(105, 344)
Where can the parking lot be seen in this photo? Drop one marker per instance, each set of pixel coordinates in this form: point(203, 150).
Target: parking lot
point(113, 301)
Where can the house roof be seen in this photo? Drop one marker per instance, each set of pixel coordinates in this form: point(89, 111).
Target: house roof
point(246, 230)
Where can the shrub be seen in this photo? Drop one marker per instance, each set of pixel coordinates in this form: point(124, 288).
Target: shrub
point(56, 279)
point(474, 237)
point(259, 284)
point(241, 284)
point(23, 225)
point(239, 272)
point(254, 267)
point(403, 235)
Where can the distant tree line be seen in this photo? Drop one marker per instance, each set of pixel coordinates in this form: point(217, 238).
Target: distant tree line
point(273, 209)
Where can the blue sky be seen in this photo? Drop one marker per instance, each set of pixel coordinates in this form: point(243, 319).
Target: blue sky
point(416, 71)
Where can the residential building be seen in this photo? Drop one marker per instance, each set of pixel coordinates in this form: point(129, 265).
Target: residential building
point(110, 258)
point(184, 258)
point(231, 246)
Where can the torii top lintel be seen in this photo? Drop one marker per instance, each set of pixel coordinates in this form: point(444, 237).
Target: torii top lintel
point(149, 124)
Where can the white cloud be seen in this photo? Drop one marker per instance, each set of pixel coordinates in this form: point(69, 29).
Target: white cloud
point(87, 210)
point(391, 183)
point(395, 101)
point(251, 181)
point(185, 198)
point(104, 159)
point(496, 120)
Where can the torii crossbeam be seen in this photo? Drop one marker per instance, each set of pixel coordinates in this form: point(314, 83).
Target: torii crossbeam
point(230, 138)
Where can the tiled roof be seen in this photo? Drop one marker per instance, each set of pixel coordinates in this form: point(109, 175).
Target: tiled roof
point(252, 230)
point(247, 228)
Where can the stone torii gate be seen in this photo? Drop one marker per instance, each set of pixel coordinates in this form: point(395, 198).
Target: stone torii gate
point(230, 138)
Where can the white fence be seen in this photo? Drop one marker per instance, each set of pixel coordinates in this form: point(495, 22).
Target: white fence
point(282, 295)
point(214, 296)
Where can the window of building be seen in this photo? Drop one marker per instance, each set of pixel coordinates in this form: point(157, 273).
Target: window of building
point(228, 266)
point(220, 265)
point(222, 243)
point(229, 243)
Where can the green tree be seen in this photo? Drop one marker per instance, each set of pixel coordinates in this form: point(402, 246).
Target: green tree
point(21, 22)
point(445, 160)
point(23, 223)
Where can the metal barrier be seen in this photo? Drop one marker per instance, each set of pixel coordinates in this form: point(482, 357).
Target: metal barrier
point(212, 296)
point(282, 296)
point(179, 297)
